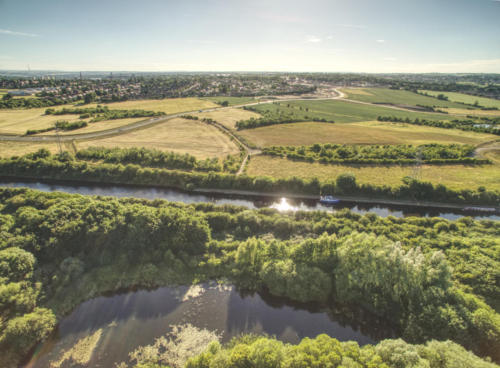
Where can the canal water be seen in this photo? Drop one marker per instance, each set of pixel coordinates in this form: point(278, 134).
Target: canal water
point(279, 203)
point(121, 323)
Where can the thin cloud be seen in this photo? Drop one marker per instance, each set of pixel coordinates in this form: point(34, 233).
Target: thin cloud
point(380, 41)
point(314, 39)
point(14, 33)
point(355, 26)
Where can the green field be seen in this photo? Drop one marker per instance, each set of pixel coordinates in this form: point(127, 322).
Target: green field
point(466, 99)
point(373, 132)
point(396, 97)
point(341, 111)
point(453, 176)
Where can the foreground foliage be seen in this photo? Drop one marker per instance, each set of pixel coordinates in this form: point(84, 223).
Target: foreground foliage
point(324, 351)
point(429, 278)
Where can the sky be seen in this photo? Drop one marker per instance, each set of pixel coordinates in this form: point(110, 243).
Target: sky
point(373, 36)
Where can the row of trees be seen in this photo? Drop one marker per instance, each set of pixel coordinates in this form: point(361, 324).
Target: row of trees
point(148, 157)
point(101, 113)
point(54, 240)
point(377, 154)
point(467, 125)
point(60, 167)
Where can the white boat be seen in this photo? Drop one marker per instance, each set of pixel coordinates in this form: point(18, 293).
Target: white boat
point(328, 200)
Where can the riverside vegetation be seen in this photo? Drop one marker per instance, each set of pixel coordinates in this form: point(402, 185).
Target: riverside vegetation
point(430, 278)
point(42, 164)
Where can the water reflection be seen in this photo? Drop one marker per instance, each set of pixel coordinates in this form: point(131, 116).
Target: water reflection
point(134, 319)
point(281, 204)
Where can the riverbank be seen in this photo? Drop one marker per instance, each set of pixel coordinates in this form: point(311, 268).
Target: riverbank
point(355, 199)
point(283, 202)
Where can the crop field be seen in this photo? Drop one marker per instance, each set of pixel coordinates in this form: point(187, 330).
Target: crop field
point(96, 127)
point(17, 121)
point(168, 105)
point(178, 135)
point(475, 112)
point(229, 117)
point(8, 149)
point(396, 97)
point(372, 132)
point(467, 99)
point(341, 111)
point(454, 176)
point(232, 101)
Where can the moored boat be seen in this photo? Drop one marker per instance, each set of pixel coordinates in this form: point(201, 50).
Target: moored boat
point(328, 200)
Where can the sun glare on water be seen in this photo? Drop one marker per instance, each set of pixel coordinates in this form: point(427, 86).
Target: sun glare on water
point(284, 206)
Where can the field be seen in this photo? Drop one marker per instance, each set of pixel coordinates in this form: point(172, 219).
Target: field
point(454, 176)
point(19, 120)
point(96, 127)
point(467, 99)
point(228, 117)
point(342, 111)
point(372, 132)
point(178, 135)
point(231, 100)
point(475, 112)
point(168, 105)
point(8, 149)
point(397, 97)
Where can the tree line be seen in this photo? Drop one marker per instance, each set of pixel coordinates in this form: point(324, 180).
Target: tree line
point(378, 154)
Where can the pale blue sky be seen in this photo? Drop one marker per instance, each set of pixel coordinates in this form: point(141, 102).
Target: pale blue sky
point(237, 35)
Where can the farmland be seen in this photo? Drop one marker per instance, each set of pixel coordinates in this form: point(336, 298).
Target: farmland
point(20, 120)
point(339, 111)
point(396, 97)
point(453, 176)
point(371, 132)
point(228, 117)
point(177, 135)
point(231, 101)
point(168, 106)
point(466, 99)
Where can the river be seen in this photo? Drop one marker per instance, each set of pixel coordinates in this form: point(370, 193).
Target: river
point(279, 203)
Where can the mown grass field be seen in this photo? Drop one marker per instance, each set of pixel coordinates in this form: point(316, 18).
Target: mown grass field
point(395, 96)
point(17, 121)
point(372, 132)
point(342, 111)
point(168, 105)
point(231, 100)
point(453, 176)
point(229, 117)
point(178, 135)
point(467, 99)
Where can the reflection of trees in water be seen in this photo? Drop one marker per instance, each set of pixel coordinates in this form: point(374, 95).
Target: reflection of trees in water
point(277, 314)
point(141, 304)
